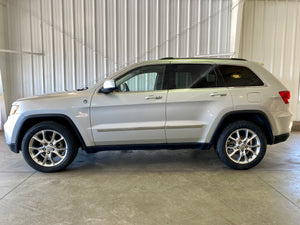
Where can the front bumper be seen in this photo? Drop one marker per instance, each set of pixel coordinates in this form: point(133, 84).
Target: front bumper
point(13, 147)
point(11, 131)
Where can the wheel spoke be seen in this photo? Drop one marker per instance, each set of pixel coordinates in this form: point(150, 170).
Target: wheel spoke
point(238, 134)
point(44, 136)
point(37, 154)
point(34, 148)
point(233, 153)
point(234, 139)
point(233, 142)
point(253, 152)
point(37, 139)
point(58, 154)
point(240, 156)
point(45, 159)
point(246, 135)
point(250, 139)
point(253, 146)
point(60, 149)
point(55, 142)
point(53, 136)
point(245, 157)
point(51, 160)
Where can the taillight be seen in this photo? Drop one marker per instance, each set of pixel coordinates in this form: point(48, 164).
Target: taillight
point(285, 95)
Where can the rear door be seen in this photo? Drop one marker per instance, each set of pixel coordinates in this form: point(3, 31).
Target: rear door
point(197, 98)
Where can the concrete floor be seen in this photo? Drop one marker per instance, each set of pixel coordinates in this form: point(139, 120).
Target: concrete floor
point(153, 187)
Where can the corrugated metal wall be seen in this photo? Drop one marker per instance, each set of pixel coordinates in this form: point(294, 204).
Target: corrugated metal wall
point(82, 41)
point(3, 41)
point(3, 62)
point(271, 35)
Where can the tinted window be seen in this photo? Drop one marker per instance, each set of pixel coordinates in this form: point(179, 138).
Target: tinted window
point(192, 76)
point(237, 76)
point(148, 78)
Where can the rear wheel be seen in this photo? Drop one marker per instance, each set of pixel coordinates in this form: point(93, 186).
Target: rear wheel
point(48, 147)
point(242, 145)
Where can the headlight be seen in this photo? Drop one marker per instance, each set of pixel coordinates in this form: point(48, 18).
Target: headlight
point(14, 109)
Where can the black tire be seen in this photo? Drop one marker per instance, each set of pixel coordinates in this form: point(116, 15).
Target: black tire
point(49, 147)
point(241, 145)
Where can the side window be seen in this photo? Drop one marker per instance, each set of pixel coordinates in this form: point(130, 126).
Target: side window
point(147, 78)
point(239, 76)
point(193, 76)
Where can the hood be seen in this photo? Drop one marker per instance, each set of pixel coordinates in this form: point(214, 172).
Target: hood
point(49, 96)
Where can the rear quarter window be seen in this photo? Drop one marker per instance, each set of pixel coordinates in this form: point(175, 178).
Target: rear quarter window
point(239, 76)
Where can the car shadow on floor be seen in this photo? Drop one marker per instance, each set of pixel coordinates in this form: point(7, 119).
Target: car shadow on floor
point(149, 160)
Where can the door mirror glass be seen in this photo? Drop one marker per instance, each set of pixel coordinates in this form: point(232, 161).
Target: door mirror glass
point(108, 86)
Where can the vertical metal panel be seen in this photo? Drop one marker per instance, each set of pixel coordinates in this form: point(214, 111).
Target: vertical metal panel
point(99, 40)
point(157, 29)
point(83, 41)
point(198, 27)
point(4, 69)
point(15, 65)
point(58, 36)
point(193, 24)
point(69, 45)
point(90, 45)
point(37, 61)
point(126, 32)
point(167, 27)
point(209, 28)
point(188, 28)
point(270, 35)
point(80, 41)
point(219, 26)
point(48, 42)
point(178, 28)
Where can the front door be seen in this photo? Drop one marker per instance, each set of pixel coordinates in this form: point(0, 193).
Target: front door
point(135, 112)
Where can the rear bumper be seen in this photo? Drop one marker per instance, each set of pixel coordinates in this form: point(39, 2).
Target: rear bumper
point(281, 138)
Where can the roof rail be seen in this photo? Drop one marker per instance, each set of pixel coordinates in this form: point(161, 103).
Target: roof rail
point(166, 58)
point(241, 59)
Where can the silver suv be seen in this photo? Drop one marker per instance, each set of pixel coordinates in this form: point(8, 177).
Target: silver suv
point(233, 105)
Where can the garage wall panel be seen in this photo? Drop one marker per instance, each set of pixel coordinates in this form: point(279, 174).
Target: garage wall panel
point(80, 41)
point(58, 44)
point(271, 35)
point(4, 70)
point(76, 43)
point(36, 46)
point(15, 61)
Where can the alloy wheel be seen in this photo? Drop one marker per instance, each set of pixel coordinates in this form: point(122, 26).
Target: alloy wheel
point(243, 146)
point(48, 148)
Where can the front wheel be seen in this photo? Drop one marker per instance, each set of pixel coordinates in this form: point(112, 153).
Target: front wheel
point(48, 147)
point(242, 145)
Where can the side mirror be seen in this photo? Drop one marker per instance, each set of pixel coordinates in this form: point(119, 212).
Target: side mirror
point(108, 86)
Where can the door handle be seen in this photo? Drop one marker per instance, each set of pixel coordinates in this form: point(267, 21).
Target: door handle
point(153, 97)
point(218, 94)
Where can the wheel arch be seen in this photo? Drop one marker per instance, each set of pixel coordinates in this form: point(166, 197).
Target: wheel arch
point(59, 118)
point(257, 117)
